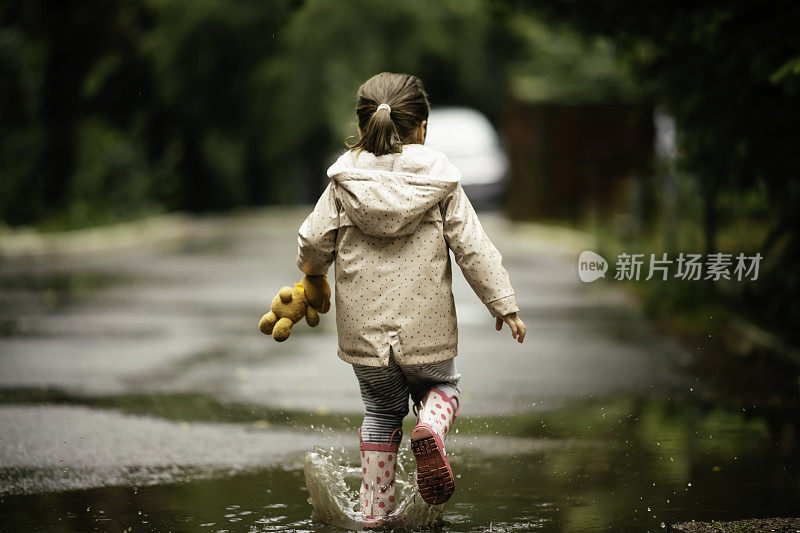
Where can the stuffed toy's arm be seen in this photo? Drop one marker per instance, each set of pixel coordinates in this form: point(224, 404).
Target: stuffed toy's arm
point(316, 240)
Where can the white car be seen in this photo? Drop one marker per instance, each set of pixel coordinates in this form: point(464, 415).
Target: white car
point(471, 143)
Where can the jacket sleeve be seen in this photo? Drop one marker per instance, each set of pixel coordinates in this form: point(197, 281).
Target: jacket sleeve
point(475, 254)
point(316, 239)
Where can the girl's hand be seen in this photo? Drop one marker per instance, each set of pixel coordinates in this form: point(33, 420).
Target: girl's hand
point(514, 322)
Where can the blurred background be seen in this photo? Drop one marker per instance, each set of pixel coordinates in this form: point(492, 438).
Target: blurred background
point(612, 126)
point(674, 124)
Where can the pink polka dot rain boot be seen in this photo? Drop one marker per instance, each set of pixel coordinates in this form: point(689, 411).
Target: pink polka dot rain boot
point(436, 413)
point(378, 468)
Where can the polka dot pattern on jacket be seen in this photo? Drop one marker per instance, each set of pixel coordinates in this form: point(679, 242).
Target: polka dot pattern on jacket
point(388, 222)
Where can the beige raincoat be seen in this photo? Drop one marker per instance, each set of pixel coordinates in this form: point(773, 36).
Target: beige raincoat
point(388, 221)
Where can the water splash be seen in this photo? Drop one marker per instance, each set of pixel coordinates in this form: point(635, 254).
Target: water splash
point(333, 486)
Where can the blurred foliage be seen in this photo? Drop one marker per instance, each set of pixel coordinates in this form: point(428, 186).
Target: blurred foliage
point(561, 65)
point(729, 73)
point(116, 108)
point(111, 109)
point(327, 51)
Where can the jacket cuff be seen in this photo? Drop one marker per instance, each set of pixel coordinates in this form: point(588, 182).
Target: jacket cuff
point(503, 306)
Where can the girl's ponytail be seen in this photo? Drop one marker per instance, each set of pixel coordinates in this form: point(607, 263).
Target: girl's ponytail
point(380, 135)
point(390, 108)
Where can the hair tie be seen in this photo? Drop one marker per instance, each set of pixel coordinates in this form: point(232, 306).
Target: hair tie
point(384, 106)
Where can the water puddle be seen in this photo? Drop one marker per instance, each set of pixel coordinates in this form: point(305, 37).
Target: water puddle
point(333, 485)
point(608, 464)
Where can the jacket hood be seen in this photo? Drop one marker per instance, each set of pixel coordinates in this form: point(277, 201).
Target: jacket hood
point(389, 195)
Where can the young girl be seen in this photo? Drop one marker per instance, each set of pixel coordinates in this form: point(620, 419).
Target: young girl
point(387, 218)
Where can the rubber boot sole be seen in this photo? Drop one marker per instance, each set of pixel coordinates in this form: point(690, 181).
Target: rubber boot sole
point(434, 475)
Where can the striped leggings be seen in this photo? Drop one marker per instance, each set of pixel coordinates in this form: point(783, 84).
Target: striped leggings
point(386, 389)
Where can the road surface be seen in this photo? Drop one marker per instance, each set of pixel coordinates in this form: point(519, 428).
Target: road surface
point(143, 365)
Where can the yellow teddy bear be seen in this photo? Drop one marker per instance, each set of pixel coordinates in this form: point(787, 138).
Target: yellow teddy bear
point(305, 299)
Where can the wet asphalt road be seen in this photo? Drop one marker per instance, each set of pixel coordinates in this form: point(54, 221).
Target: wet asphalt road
point(144, 365)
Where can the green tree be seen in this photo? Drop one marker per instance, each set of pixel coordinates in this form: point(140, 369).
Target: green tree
point(461, 50)
point(205, 55)
point(46, 50)
point(730, 75)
